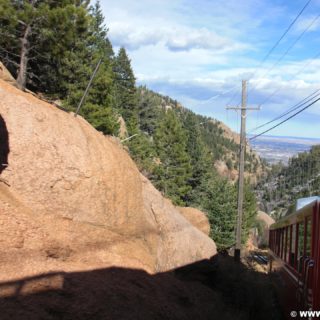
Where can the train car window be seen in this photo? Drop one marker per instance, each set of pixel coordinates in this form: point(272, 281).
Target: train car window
point(293, 244)
point(308, 238)
point(300, 251)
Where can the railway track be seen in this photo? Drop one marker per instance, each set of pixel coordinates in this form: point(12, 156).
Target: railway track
point(259, 258)
point(258, 261)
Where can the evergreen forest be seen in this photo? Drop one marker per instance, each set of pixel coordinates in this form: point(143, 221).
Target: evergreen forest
point(285, 184)
point(52, 48)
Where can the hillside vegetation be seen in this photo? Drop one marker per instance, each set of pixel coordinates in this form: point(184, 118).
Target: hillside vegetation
point(175, 148)
point(283, 185)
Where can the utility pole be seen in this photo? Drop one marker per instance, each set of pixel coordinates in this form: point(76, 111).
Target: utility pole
point(243, 108)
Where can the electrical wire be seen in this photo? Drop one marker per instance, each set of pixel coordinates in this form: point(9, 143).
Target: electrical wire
point(274, 46)
point(309, 62)
point(288, 49)
point(232, 98)
point(287, 119)
point(277, 43)
point(313, 95)
point(283, 35)
point(217, 95)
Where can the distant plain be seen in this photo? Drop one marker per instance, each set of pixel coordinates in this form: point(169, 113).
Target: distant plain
point(276, 148)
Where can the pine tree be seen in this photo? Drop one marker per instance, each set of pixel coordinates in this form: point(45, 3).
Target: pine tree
point(125, 91)
point(37, 35)
point(9, 40)
point(143, 151)
point(149, 110)
point(97, 108)
point(174, 170)
point(201, 160)
point(218, 198)
point(99, 31)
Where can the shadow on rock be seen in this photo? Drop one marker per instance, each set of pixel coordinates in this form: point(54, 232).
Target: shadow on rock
point(4, 145)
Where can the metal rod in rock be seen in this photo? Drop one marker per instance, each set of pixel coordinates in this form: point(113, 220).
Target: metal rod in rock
point(88, 87)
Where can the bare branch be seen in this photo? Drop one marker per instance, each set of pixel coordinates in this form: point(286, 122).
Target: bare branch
point(8, 52)
point(33, 75)
point(22, 22)
point(6, 58)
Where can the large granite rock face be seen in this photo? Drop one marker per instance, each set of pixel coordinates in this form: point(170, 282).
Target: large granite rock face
point(197, 218)
point(72, 199)
point(266, 221)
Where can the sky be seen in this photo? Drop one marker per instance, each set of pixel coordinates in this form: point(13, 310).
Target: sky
point(199, 51)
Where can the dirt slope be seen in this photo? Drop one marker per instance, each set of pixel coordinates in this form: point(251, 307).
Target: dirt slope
point(74, 200)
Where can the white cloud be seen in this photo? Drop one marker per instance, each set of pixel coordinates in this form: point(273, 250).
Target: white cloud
point(312, 23)
point(195, 50)
point(175, 38)
point(187, 39)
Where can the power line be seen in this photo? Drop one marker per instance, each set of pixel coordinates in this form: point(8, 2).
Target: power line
point(283, 35)
point(275, 45)
point(217, 95)
point(232, 98)
point(290, 47)
point(287, 119)
point(293, 108)
point(310, 61)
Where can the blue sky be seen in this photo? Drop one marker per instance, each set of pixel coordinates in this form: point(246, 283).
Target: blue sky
point(196, 50)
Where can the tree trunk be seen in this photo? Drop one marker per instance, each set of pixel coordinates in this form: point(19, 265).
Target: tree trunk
point(25, 47)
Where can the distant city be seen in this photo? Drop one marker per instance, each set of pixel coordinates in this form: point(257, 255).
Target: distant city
point(275, 149)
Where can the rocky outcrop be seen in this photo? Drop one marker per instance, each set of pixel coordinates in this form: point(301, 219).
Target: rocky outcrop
point(259, 236)
point(5, 75)
point(265, 218)
point(265, 221)
point(123, 132)
point(224, 171)
point(230, 156)
point(74, 200)
point(228, 133)
point(196, 218)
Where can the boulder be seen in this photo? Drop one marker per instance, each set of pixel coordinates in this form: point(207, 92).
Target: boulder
point(262, 216)
point(197, 218)
point(265, 221)
point(76, 201)
point(123, 132)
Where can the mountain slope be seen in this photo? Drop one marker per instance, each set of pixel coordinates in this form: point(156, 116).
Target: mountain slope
point(220, 142)
point(279, 191)
point(81, 201)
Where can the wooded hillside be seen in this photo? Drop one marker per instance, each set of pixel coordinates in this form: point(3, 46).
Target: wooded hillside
point(52, 48)
point(285, 184)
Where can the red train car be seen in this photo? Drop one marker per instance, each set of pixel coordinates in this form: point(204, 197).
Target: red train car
point(294, 243)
